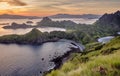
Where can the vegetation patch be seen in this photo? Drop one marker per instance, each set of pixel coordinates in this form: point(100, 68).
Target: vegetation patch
point(94, 62)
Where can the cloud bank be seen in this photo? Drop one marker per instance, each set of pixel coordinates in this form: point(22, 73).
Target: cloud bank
point(14, 2)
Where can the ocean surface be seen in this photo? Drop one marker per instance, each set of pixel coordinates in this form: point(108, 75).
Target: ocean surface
point(26, 60)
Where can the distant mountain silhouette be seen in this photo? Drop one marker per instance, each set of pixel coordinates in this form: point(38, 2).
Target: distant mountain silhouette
point(16, 26)
point(8, 16)
point(45, 20)
point(89, 16)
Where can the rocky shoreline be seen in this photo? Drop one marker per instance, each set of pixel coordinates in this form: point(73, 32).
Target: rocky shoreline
point(59, 61)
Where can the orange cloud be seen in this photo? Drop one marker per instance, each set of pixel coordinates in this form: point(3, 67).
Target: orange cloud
point(50, 7)
point(14, 2)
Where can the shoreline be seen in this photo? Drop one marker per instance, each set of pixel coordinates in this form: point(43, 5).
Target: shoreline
point(10, 27)
point(59, 61)
point(27, 43)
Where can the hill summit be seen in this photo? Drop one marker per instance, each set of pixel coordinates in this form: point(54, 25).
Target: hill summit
point(110, 19)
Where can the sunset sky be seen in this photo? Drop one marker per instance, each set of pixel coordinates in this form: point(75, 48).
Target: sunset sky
point(50, 7)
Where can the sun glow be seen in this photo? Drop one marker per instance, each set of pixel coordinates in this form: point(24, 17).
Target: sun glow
point(7, 8)
point(46, 7)
point(4, 5)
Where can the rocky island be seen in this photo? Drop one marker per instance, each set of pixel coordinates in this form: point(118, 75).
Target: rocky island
point(45, 22)
point(35, 37)
point(16, 26)
point(49, 23)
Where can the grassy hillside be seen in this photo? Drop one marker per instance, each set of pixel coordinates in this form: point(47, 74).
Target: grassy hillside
point(97, 60)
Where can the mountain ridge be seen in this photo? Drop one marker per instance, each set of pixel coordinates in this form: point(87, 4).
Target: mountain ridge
point(89, 16)
point(11, 16)
point(108, 18)
point(111, 21)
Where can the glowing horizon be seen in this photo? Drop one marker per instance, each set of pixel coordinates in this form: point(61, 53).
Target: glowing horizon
point(47, 7)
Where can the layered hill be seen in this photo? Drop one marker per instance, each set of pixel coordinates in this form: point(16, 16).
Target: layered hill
point(9, 16)
point(110, 21)
point(34, 37)
point(49, 23)
point(87, 16)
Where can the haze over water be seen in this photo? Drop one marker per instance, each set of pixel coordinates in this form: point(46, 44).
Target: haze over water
point(26, 60)
point(46, 29)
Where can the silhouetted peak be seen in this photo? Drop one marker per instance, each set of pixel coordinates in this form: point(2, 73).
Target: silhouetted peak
point(62, 14)
point(34, 30)
point(30, 22)
point(5, 14)
point(46, 19)
point(110, 19)
point(117, 13)
point(13, 23)
point(13, 16)
point(105, 14)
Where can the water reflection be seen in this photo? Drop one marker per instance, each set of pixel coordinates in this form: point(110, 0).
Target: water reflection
point(27, 60)
point(105, 39)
